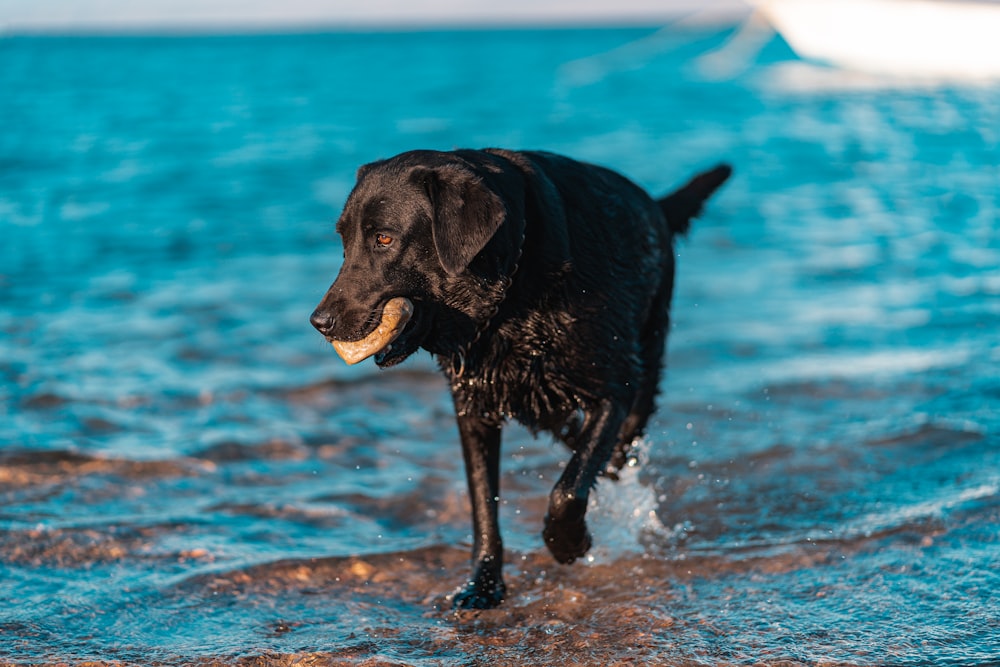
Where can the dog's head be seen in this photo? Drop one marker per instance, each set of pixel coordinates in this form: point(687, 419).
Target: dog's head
point(439, 229)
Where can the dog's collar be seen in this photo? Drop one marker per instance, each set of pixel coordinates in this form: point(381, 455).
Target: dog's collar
point(505, 284)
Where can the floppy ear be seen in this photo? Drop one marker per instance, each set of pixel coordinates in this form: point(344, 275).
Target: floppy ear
point(467, 213)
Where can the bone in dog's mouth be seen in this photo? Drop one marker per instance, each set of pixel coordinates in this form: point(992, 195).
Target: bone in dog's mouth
point(395, 315)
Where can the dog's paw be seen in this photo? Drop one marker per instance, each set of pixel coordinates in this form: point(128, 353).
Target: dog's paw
point(567, 540)
point(480, 595)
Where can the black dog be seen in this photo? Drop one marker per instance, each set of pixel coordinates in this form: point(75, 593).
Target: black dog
point(543, 286)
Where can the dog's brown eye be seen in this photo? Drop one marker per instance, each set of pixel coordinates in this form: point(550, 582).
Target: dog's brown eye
point(383, 240)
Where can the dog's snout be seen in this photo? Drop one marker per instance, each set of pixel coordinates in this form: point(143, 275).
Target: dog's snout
point(322, 319)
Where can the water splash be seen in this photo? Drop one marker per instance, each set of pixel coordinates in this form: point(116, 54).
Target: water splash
point(622, 513)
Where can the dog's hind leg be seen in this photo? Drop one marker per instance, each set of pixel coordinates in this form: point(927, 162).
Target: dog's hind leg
point(565, 532)
point(653, 342)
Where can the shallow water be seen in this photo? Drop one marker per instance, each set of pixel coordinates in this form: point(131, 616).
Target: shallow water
point(189, 474)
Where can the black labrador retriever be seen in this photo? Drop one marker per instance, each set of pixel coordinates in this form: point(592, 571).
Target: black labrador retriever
point(542, 285)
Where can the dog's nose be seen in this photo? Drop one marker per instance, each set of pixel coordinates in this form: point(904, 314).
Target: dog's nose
point(322, 320)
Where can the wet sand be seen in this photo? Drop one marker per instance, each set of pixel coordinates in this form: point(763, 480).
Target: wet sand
point(743, 578)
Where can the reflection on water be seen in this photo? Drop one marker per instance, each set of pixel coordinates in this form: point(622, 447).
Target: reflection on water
point(188, 473)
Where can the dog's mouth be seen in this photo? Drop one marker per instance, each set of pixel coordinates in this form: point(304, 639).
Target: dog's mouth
point(407, 342)
point(396, 314)
point(399, 333)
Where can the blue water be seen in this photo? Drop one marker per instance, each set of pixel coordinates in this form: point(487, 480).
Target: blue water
point(189, 473)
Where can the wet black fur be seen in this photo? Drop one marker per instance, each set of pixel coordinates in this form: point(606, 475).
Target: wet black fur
point(543, 286)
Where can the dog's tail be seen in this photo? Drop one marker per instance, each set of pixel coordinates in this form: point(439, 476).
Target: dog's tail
point(685, 203)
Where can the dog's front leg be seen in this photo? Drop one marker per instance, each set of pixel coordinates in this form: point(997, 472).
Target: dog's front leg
point(481, 450)
point(566, 533)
